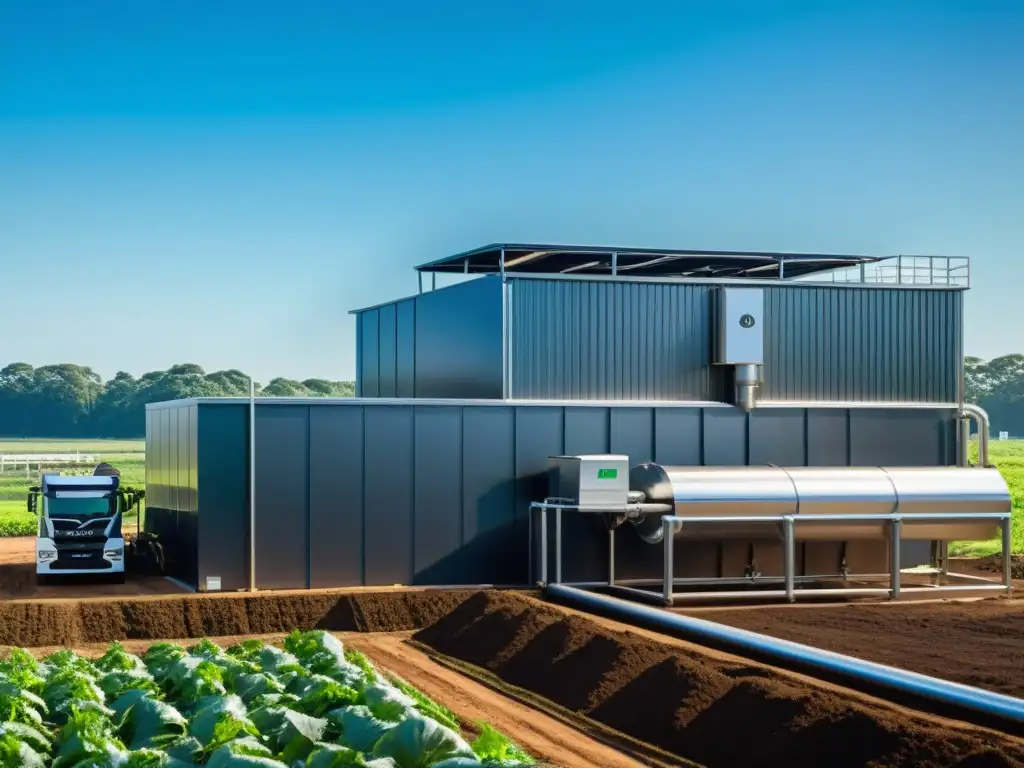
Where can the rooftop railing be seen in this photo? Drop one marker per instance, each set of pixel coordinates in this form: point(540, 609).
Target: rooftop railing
point(952, 271)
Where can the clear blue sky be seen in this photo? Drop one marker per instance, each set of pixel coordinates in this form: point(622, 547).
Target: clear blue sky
point(220, 182)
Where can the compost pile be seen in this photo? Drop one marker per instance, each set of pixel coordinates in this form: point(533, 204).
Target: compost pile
point(709, 709)
point(974, 643)
point(313, 703)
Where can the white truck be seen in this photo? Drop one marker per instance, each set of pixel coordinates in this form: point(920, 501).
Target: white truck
point(80, 525)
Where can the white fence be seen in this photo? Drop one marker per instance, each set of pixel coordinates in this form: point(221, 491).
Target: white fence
point(14, 461)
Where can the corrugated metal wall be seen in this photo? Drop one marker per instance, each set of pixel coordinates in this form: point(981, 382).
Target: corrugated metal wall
point(172, 500)
point(892, 345)
point(440, 344)
point(628, 340)
point(352, 493)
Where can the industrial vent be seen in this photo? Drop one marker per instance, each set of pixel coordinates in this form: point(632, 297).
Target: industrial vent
point(739, 340)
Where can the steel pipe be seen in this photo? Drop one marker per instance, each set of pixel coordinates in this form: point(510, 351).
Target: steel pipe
point(980, 416)
point(973, 704)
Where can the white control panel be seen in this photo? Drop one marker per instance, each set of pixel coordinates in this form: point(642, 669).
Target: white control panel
point(597, 480)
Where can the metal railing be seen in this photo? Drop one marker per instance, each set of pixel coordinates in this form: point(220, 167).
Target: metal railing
point(951, 271)
point(789, 580)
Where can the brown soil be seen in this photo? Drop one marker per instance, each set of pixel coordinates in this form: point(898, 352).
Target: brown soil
point(994, 564)
point(977, 643)
point(18, 578)
point(703, 707)
point(78, 622)
point(544, 737)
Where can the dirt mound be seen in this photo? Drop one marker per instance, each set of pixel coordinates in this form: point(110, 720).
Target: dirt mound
point(71, 623)
point(17, 579)
point(707, 710)
point(975, 643)
point(994, 564)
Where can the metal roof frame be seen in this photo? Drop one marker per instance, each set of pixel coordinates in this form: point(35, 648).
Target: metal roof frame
point(501, 258)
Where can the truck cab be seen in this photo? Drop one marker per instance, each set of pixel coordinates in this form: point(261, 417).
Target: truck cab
point(79, 526)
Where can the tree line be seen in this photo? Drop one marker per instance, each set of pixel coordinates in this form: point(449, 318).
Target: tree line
point(997, 385)
point(67, 400)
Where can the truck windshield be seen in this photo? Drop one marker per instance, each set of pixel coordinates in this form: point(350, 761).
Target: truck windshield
point(79, 507)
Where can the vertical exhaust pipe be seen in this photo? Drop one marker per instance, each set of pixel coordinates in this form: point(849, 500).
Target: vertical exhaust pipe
point(748, 384)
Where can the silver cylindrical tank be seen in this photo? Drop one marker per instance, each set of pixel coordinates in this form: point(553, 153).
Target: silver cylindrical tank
point(715, 491)
point(773, 491)
point(949, 490)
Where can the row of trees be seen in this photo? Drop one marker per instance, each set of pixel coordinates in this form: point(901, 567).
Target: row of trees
point(65, 400)
point(997, 385)
point(73, 401)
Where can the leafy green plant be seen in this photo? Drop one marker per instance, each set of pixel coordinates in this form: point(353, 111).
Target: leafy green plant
point(313, 704)
point(491, 746)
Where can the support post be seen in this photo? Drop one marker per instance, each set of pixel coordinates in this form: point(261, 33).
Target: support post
point(611, 557)
point(252, 485)
point(669, 574)
point(963, 440)
point(789, 560)
point(894, 559)
point(544, 546)
point(1007, 530)
point(558, 546)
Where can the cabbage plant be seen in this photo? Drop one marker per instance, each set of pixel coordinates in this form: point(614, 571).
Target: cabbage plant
point(310, 704)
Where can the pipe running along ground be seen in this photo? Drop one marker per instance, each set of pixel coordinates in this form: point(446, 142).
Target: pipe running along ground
point(943, 697)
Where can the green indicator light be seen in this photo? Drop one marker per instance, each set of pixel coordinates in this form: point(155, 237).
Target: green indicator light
point(607, 474)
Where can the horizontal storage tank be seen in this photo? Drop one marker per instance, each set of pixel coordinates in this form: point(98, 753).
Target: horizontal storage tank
point(775, 491)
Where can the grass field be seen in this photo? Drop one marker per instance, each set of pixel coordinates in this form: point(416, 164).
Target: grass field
point(1008, 456)
point(15, 520)
point(129, 457)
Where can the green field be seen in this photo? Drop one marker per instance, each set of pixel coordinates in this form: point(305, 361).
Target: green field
point(15, 520)
point(129, 457)
point(1008, 456)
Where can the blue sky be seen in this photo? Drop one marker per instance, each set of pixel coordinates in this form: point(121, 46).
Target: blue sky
point(221, 182)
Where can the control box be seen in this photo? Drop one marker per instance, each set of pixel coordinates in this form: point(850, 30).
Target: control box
point(589, 481)
point(739, 338)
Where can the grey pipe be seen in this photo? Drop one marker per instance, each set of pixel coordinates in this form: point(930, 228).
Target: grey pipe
point(747, 383)
point(976, 412)
point(946, 697)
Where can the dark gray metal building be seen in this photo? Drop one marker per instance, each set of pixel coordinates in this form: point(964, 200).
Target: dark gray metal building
point(463, 392)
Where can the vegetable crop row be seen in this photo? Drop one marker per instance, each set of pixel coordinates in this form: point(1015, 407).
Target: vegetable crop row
point(311, 704)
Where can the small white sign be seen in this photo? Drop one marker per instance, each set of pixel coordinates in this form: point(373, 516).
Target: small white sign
point(213, 583)
point(1004, 435)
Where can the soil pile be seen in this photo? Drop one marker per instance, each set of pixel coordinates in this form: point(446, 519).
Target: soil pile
point(994, 564)
point(73, 623)
point(975, 643)
point(707, 710)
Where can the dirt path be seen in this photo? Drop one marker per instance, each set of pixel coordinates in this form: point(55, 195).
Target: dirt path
point(542, 736)
point(976, 643)
point(18, 578)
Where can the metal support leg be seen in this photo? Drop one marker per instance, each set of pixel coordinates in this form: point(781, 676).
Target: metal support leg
point(1006, 527)
point(529, 540)
point(558, 546)
point(669, 575)
point(611, 557)
point(789, 556)
point(543, 546)
point(894, 559)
